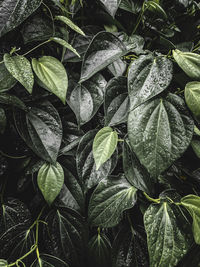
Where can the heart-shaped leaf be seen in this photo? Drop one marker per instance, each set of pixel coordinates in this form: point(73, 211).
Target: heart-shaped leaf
point(148, 76)
point(21, 70)
point(50, 180)
point(192, 97)
point(52, 74)
point(104, 145)
point(160, 131)
point(7, 81)
point(111, 6)
point(112, 196)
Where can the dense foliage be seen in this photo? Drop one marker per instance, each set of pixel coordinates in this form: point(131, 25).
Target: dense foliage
point(100, 133)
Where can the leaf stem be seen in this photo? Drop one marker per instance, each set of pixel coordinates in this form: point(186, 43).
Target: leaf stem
point(45, 42)
point(157, 200)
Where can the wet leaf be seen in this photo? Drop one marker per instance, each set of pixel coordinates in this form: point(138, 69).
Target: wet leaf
point(167, 242)
point(192, 97)
point(111, 6)
point(116, 101)
point(86, 166)
point(160, 131)
point(65, 44)
point(104, 145)
point(21, 70)
point(7, 81)
point(13, 13)
point(70, 24)
point(148, 76)
point(111, 197)
point(50, 180)
point(104, 49)
point(52, 74)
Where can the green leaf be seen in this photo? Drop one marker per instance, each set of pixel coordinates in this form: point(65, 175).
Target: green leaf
point(129, 249)
point(167, 242)
point(3, 120)
point(65, 235)
point(192, 97)
point(156, 8)
point(196, 147)
point(189, 62)
point(86, 166)
point(104, 49)
point(50, 180)
point(85, 99)
point(21, 70)
point(70, 24)
point(99, 252)
point(135, 173)
point(12, 100)
point(13, 13)
point(192, 204)
point(52, 74)
point(111, 6)
point(117, 68)
point(112, 196)
point(159, 132)
point(116, 103)
point(148, 76)
point(46, 260)
point(104, 145)
point(7, 81)
point(3, 263)
point(65, 44)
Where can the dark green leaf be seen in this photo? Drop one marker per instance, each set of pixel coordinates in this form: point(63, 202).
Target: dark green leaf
point(21, 70)
point(160, 131)
point(86, 166)
point(112, 196)
point(86, 98)
point(116, 103)
point(99, 251)
point(46, 260)
point(104, 49)
point(167, 242)
point(111, 6)
point(196, 147)
point(135, 173)
point(65, 44)
point(148, 76)
point(3, 120)
point(7, 81)
point(50, 180)
point(12, 100)
point(14, 12)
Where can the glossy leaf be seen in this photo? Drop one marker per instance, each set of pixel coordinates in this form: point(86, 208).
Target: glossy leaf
point(116, 101)
point(3, 120)
point(192, 204)
point(7, 81)
point(21, 70)
point(52, 74)
point(111, 6)
point(148, 76)
point(50, 180)
point(167, 242)
point(112, 196)
point(160, 131)
point(86, 98)
point(189, 62)
point(135, 173)
point(129, 249)
point(46, 260)
point(117, 68)
point(86, 166)
point(104, 145)
point(99, 251)
point(65, 44)
point(14, 13)
point(67, 229)
point(192, 97)
point(104, 49)
point(70, 24)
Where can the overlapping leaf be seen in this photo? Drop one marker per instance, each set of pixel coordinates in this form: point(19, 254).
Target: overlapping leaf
point(111, 6)
point(192, 97)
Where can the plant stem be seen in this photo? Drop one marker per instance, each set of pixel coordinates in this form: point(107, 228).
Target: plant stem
point(157, 200)
point(45, 42)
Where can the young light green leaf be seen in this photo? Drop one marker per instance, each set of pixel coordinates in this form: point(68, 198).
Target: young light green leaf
point(2, 120)
point(65, 44)
point(189, 62)
point(3, 263)
point(112, 196)
point(192, 204)
point(52, 74)
point(160, 131)
point(104, 145)
point(70, 24)
point(192, 97)
point(21, 70)
point(50, 180)
point(167, 242)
